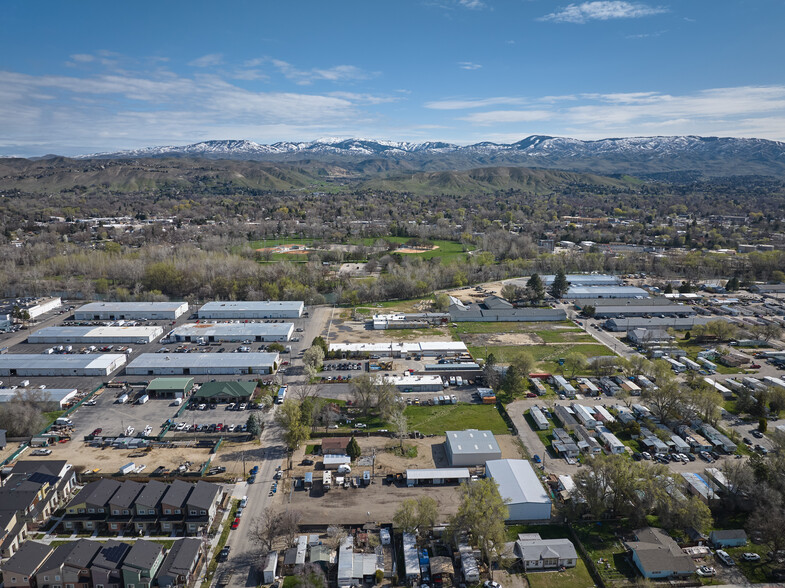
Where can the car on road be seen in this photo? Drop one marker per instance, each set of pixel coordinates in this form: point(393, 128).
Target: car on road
point(244, 502)
point(236, 523)
point(756, 433)
point(749, 556)
point(491, 584)
point(706, 571)
point(536, 458)
point(646, 455)
point(251, 479)
point(223, 555)
point(307, 462)
point(747, 441)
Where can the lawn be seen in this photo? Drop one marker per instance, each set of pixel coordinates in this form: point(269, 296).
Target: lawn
point(577, 577)
point(435, 420)
point(546, 356)
point(51, 416)
point(601, 543)
point(755, 571)
point(447, 250)
point(514, 327)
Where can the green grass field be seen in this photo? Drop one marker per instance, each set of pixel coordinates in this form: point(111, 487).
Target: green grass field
point(577, 577)
point(601, 543)
point(435, 420)
point(514, 327)
point(546, 356)
point(51, 416)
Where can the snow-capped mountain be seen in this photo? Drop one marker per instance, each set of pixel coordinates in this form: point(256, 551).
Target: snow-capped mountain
point(649, 155)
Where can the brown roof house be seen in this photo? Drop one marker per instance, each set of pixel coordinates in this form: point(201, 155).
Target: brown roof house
point(335, 445)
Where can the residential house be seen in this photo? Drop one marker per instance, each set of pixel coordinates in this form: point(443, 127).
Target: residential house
point(537, 553)
point(657, 555)
point(87, 511)
point(728, 538)
point(335, 445)
point(20, 570)
point(76, 569)
point(121, 506)
point(51, 574)
point(181, 564)
point(202, 505)
point(13, 532)
point(141, 563)
point(173, 508)
point(106, 569)
point(148, 506)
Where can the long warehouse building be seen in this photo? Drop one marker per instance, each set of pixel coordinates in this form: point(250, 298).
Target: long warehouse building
point(234, 332)
point(59, 396)
point(38, 364)
point(90, 335)
point(112, 311)
point(424, 348)
point(250, 309)
point(194, 364)
point(520, 486)
point(676, 323)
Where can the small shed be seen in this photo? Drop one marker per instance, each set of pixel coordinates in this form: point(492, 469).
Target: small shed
point(332, 462)
point(270, 568)
point(728, 538)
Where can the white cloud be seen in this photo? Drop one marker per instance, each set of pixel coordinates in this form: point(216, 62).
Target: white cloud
point(602, 10)
point(507, 116)
point(469, 65)
point(361, 98)
point(472, 103)
point(472, 4)
point(337, 73)
point(83, 57)
point(209, 60)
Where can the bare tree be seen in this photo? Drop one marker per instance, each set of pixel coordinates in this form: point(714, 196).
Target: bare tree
point(400, 424)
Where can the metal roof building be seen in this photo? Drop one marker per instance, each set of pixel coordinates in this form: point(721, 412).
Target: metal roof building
point(234, 332)
point(59, 395)
point(250, 309)
point(582, 280)
point(606, 292)
point(192, 364)
point(518, 482)
point(38, 364)
point(416, 383)
point(471, 447)
point(494, 308)
point(679, 324)
point(90, 335)
point(170, 387)
point(425, 348)
point(436, 475)
point(624, 310)
point(130, 310)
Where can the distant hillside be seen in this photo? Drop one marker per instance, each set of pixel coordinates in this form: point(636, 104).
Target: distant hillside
point(692, 155)
point(487, 180)
point(60, 174)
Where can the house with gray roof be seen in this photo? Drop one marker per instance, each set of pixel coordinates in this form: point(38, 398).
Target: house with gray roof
point(202, 505)
point(88, 509)
point(106, 569)
point(537, 553)
point(76, 567)
point(19, 571)
point(121, 505)
point(657, 555)
point(148, 505)
point(181, 563)
point(141, 563)
point(728, 538)
point(173, 509)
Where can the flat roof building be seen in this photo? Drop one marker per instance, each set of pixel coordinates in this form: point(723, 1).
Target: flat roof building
point(424, 348)
point(416, 383)
point(494, 308)
point(518, 483)
point(679, 324)
point(606, 292)
point(234, 332)
point(101, 311)
point(642, 310)
point(225, 392)
point(38, 364)
point(192, 364)
point(170, 387)
point(90, 335)
point(436, 476)
point(251, 309)
point(471, 447)
point(60, 396)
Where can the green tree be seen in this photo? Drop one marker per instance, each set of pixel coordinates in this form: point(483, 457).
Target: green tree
point(589, 310)
point(524, 363)
point(512, 382)
point(575, 362)
point(289, 416)
point(314, 357)
point(320, 342)
point(441, 302)
point(763, 424)
point(353, 449)
point(482, 514)
point(668, 288)
point(276, 347)
point(254, 427)
point(414, 515)
point(560, 285)
point(535, 289)
point(732, 285)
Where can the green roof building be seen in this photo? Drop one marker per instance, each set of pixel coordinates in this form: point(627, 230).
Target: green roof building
point(225, 392)
point(170, 387)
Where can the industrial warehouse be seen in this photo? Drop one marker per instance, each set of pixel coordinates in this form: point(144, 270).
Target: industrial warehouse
point(520, 486)
point(91, 335)
point(649, 307)
point(243, 309)
point(416, 383)
point(28, 364)
point(471, 447)
point(210, 332)
point(425, 348)
point(494, 308)
point(194, 364)
point(112, 311)
point(678, 324)
point(56, 396)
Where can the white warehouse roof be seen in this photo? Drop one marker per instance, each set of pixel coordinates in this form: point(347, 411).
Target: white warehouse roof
point(94, 334)
point(471, 442)
point(59, 395)
point(438, 474)
point(401, 348)
point(252, 308)
point(251, 330)
point(202, 363)
point(517, 481)
point(25, 363)
point(134, 307)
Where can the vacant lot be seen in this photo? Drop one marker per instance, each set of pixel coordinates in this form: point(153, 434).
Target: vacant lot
point(435, 420)
point(546, 356)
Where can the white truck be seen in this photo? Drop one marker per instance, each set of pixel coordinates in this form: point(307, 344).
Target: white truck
point(327, 481)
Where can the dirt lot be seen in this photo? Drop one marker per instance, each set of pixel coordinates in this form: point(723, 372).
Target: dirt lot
point(346, 330)
point(430, 453)
point(111, 460)
point(502, 339)
point(471, 293)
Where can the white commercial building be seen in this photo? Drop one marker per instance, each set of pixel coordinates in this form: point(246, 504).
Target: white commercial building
point(257, 332)
point(424, 348)
point(28, 364)
point(111, 311)
point(416, 384)
point(251, 309)
point(192, 364)
point(436, 476)
point(527, 499)
point(471, 447)
point(42, 306)
point(61, 396)
point(91, 335)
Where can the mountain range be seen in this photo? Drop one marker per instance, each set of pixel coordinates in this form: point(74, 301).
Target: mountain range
point(645, 156)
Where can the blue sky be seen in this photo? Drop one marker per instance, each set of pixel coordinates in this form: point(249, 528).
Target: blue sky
point(81, 77)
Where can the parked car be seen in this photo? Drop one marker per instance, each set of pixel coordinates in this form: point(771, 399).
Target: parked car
point(536, 458)
point(725, 557)
point(491, 584)
point(756, 433)
point(749, 556)
point(223, 555)
point(236, 523)
point(706, 571)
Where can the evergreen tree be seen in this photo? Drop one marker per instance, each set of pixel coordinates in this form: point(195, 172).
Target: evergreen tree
point(535, 289)
point(732, 285)
point(560, 285)
point(254, 428)
point(353, 449)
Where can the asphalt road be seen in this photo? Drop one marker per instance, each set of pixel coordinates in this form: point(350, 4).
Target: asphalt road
point(244, 555)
